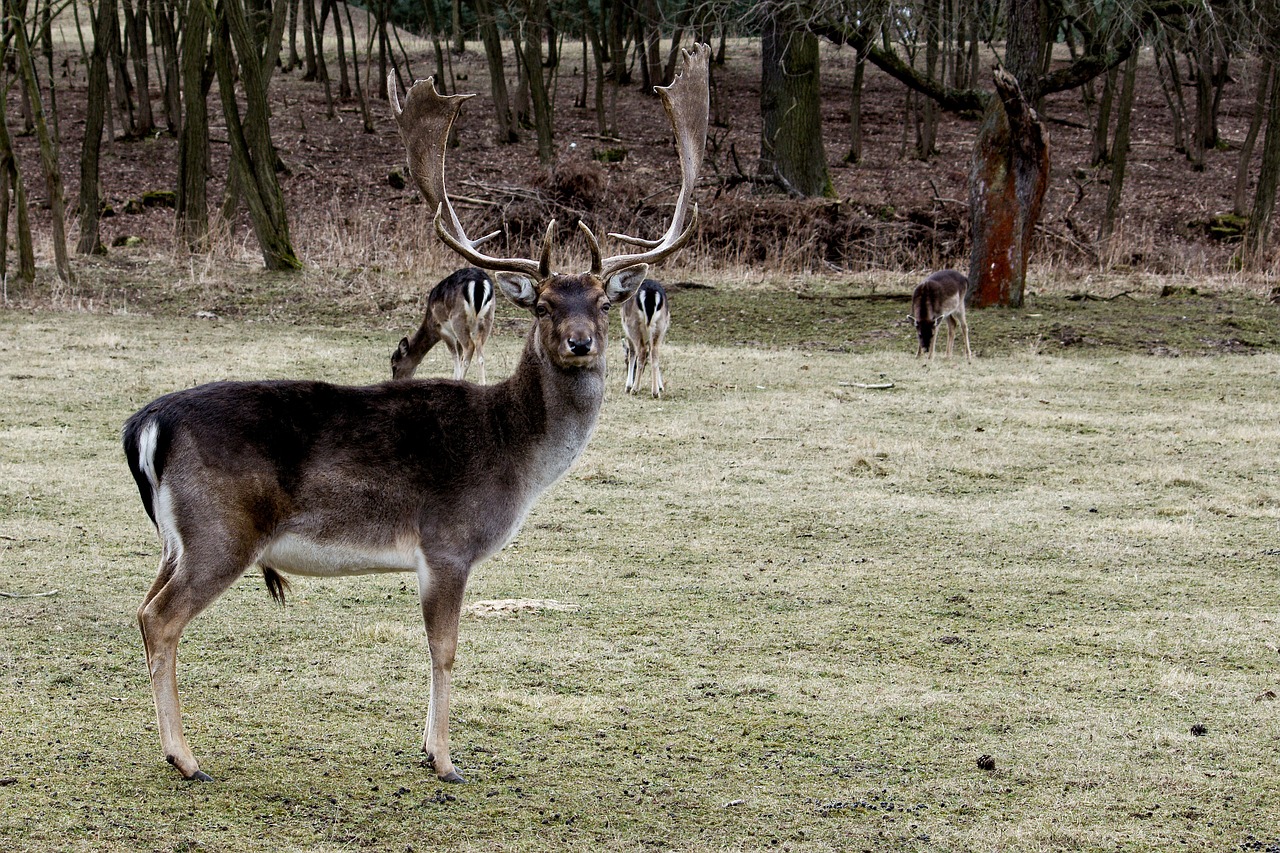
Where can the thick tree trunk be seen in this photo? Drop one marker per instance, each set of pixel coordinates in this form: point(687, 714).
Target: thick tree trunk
point(492, 40)
point(252, 154)
point(791, 149)
point(193, 142)
point(90, 204)
point(1006, 190)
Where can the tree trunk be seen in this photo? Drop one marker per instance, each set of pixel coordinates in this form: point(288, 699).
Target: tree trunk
point(492, 40)
point(193, 142)
point(459, 38)
point(791, 150)
point(1171, 86)
point(854, 154)
point(253, 156)
point(11, 184)
point(48, 153)
point(1266, 79)
point(1006, 190)
point(135, 25)
point(1119, 151)
point(1102, 128)
point(90, 195)
point(162, 25)
point(1258, 231)
point(535, 12)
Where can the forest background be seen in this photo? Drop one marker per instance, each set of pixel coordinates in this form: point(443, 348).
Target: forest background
point(1158, 123)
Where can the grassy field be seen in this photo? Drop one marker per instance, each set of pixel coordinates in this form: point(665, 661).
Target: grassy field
point(804, 608)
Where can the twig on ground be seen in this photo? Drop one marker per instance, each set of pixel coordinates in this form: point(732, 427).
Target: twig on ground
point(29, 594)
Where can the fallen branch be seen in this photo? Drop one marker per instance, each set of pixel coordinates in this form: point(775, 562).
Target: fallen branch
point(870, 386)
point(28, 594)
point(1089, 297)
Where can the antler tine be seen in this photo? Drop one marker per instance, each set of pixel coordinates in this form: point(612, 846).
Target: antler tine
point(687, 101)
point(425, 121)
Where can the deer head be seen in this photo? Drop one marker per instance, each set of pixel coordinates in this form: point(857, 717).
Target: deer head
point(569, 309)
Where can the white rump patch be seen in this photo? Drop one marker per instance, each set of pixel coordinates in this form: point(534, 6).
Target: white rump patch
point(147, 452)
point(302, 556)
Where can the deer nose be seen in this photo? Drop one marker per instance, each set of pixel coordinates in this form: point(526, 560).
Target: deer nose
point(580, 347)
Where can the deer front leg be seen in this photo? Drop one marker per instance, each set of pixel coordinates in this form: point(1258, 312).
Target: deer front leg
point(440, 589)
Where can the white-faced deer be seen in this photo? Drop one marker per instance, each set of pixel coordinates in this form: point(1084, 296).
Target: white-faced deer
point(460, 313)
point(645, 318)
point(940, 296)
point(423, 476)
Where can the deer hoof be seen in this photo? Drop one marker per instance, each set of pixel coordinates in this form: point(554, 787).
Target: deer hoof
point(199, 776)
point(453, 777)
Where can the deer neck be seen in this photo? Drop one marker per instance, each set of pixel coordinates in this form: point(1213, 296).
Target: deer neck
point(555, 409)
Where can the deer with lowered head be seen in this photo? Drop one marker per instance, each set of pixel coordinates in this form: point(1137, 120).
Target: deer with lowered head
point(939, 297)
point(424, 476)
point(645, 319)
point(460, 313)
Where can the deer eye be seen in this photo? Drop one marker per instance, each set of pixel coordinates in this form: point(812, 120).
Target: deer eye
point(541, 309)
point(604, 306)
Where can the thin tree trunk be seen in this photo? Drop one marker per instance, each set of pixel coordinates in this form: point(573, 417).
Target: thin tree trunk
point(1266, 79)
point(135, 24)
point(48, 154)
point(1258, 232)
point(1119, 151)
point(13, 185)
point(1102, 127)
point(854, 154)
point(535, 12)
point(162, 25)
point(459, 38)
point(355, 68)
point(90, 203)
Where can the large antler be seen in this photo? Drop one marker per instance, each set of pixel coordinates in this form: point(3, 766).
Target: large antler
point(425, 122)
point(687, 100)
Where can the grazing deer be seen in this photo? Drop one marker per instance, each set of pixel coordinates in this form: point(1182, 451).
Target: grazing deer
point(460, 313)
point(422, 476)
point(645, 318)
point(939, 296)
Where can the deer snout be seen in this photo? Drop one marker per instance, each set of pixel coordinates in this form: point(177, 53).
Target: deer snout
point(581, 346)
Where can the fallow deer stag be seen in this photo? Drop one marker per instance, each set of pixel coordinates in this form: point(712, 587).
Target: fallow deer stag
point(645, 319)
point(940, 296)
point(423, 476)
point(460, 313)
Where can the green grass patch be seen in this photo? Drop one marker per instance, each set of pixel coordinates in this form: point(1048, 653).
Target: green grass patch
point(806, 608)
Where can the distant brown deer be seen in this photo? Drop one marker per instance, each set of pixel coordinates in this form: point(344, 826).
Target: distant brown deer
point(645, 319)
point(940, 296)
point(422, 476)
point(460, 313)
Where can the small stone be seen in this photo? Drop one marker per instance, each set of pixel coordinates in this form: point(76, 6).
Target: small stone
point(986, 762)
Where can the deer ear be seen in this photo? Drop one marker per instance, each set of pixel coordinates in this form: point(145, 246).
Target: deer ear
point(519, 288)
point(623, 284)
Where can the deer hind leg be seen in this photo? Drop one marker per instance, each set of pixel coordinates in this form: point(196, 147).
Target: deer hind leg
point(630, 354)
point(657, 371)
point(951, 333)
point(188, 581)
point(440, 588)
point(964, 327)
